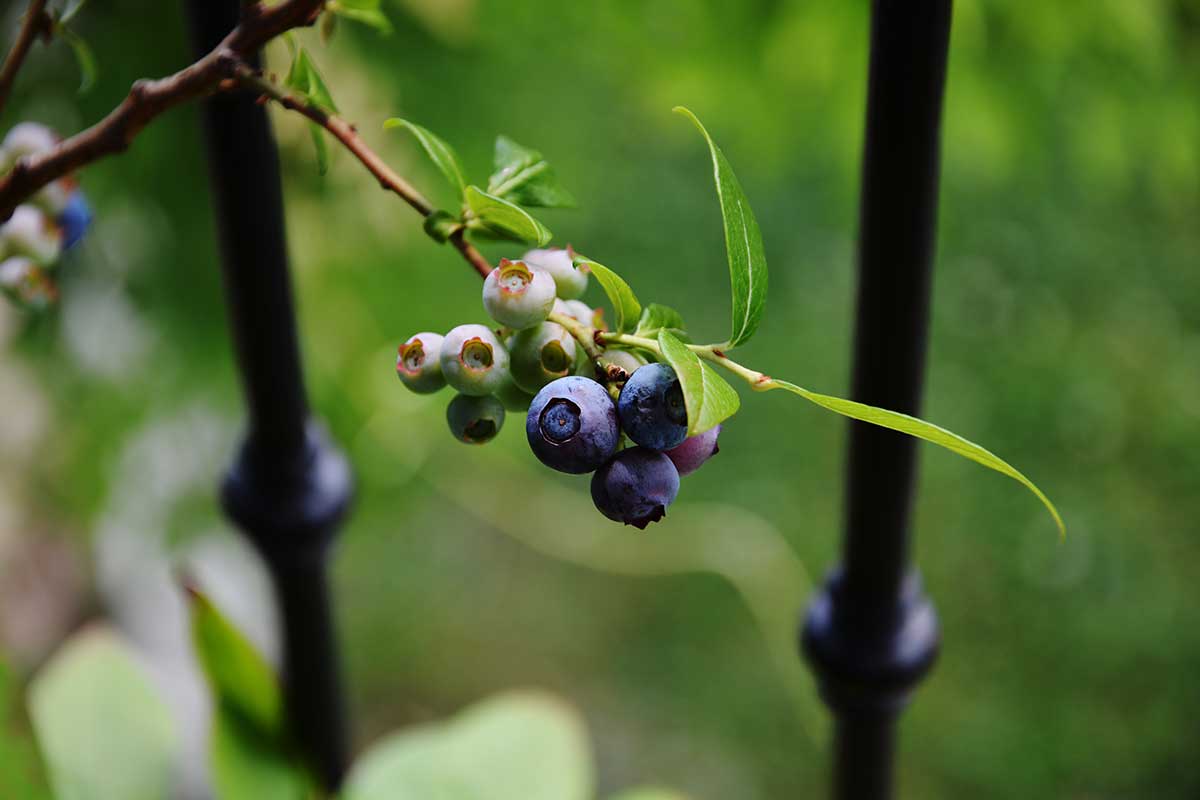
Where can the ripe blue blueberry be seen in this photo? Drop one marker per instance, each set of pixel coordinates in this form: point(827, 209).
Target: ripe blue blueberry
point(695, 450)
point(418, 363)
point(572, 425)
point(74, 219)
point(473, 361)
point(475, 420)
point(541, 354)
point(651, 407)
point(635, 487)
point(517, 296)
point(571, 282)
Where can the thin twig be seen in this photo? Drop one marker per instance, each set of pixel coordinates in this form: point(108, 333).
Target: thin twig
point(347, 135)
point(149, 98)
point(35, 22)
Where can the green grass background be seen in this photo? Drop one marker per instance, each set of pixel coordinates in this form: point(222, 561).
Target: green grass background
point(1066, 337)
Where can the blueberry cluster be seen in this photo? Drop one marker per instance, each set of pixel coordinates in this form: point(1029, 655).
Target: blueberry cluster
point(34, 238)
point(573, 423)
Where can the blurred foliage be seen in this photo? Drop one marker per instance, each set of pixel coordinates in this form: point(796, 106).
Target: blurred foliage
point(1066, 336)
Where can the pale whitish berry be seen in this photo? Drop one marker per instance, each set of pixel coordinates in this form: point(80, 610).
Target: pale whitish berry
point(627, 361)
point(541, 354)
point(30, 233)
point(25, 282)
point(569, 279)
point(26, 139)
point(475, 420)
point(418, 363)
point(517, 296)
point(473, 361)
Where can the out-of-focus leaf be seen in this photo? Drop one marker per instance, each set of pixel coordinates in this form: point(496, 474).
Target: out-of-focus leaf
point(526, 178)
point(709, 398)
point(504, 219)
point(516, 746)
point(626, 307)
point(368, 12)
point(84, 57)
point(921, 429)
point(743, 244)
point(104, 732)
point(441, 154)
point(246, 764)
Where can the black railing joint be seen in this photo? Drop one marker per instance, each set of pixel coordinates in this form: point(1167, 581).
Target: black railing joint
point(289, 506)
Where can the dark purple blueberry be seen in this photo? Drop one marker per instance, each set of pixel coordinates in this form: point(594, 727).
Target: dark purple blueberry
point(572, 425)
point(695, 450)
point(74, 219)
point(635, 487)
point(651, 408)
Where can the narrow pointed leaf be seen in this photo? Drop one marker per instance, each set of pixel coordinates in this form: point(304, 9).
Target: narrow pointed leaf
point(526, 178)
point(505, 219)
point(304, 79)
point(251, 747)
point(743, 244)
point(921, 429)
point(440, 153)
point(626, 308)
point(709, 397)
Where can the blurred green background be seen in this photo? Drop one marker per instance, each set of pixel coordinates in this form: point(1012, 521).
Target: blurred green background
point(1066, 337)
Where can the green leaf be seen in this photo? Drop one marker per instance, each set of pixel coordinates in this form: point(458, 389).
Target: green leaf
point(656, 317)
point(239, 677)
point(649, 793)
point(625, 304)
point(440, 153)
point(709, 397)
point(743, 244)
point(525, 177)
point(516, 746)
point(304, 79)
point(84, 57)
point(921, 429)
point(504, 219)
point(246, 764)
point(103, 730)
point(252, 753)
point(368, 12)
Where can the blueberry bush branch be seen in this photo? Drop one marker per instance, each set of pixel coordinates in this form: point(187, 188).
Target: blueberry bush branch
point(147, 99)
point(36, 22)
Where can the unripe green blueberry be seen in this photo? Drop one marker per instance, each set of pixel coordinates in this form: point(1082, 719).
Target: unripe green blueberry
point(418, 363)
point(513, 397)
point(517, 296)
point(541, 354)
point(32, 234)
point(571, 282)
point(623, 359)
point(582, 312)
point(475, 420)
point(473, 361)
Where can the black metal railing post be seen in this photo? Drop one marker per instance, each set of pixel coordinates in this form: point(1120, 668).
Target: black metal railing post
point(289, 486)
point(870, 634)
